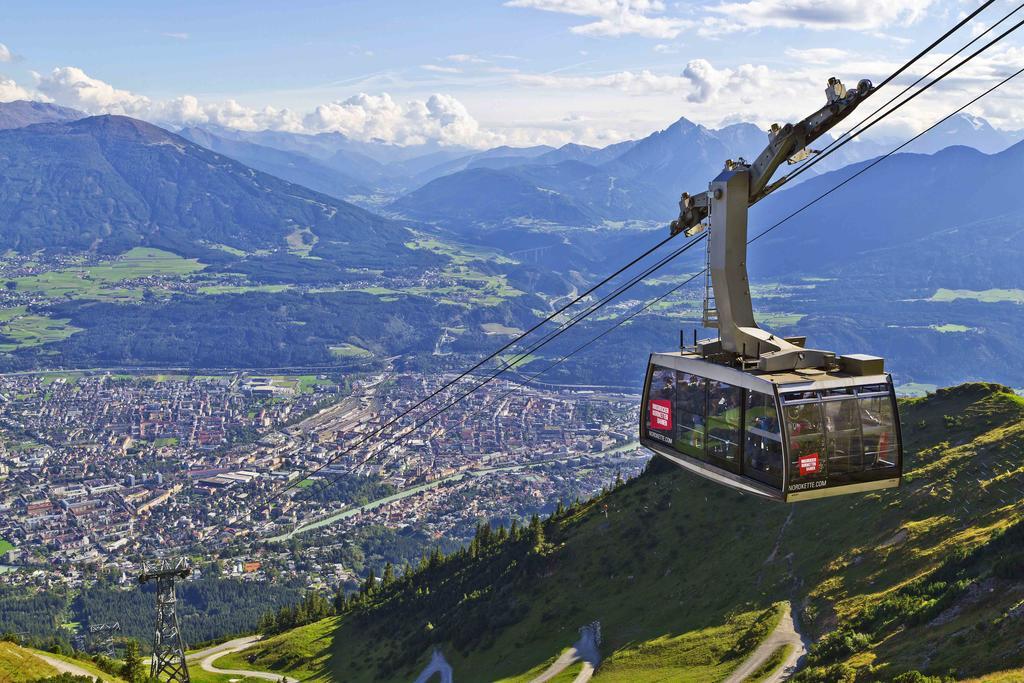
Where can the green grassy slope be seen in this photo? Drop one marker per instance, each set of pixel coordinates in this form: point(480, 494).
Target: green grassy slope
point(683, 574)
point(18, 664)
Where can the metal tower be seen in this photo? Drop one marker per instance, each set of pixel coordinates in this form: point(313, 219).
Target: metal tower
point(168, 662)
point(102, 637)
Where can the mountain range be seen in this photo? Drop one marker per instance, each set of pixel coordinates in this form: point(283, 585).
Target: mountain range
point(872, 267)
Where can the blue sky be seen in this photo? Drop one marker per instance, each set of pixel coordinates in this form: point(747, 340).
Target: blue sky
point(482, 72)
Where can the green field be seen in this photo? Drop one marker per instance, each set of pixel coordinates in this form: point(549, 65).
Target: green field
point(242, 289)
point(198, 675)
point(300, 384)
point(499, 329)
point(349, 351)
point(459, 254)
point(517, 360)
point(5, 545)
point(98, 282)
point(951, 328)
point(988, 296)
point(301, 242)
point(29, 329)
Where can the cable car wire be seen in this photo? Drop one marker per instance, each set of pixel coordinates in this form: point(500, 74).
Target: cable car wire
point(496, 373)
point(959, 25)
point(850, 134)
point(888, 154)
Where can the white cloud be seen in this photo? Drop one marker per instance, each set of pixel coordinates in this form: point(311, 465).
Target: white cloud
point(856, 15)
point(649, 18)
point(705, 79)
point(378, 117)
point(614, 17)
point(440, 118)
point(700, 81)
point(5, 53)
point(10, 91)
point(176, 35)
point(436, 68)
point(72, 87)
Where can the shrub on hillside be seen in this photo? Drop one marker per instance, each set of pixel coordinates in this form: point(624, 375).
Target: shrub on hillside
point(837, 645)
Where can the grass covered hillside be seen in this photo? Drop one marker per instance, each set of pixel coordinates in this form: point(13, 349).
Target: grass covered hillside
point(18, 665)
point(686, 577)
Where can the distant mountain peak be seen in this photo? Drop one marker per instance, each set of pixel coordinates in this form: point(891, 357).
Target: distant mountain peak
point(116, 127)
point(21, 113)
point(683, 124)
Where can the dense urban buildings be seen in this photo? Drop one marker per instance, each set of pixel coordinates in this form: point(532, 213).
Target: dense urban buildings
point(104, 470)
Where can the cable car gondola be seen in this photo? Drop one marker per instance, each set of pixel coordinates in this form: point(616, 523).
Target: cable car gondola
point(751, 410)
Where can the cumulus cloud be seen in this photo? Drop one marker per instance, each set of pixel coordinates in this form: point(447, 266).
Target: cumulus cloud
point(440, 118)
point(705, 79)
point(614, 17)
point(72, 87)
point(379, 117)
point(5, 53)
point(11, 91)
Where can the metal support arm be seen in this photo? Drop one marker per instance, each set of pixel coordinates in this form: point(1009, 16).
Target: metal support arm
point(727, 203)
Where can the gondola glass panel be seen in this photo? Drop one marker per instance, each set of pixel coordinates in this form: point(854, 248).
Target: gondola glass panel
point(845, 446)
point(804, 426)
point(878, 422)
point(724, 426)
point(691, 407)
point(660, 401)
point(762, 449)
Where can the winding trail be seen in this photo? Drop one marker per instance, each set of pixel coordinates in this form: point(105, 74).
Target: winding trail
point(584, 649)
point(785, 633)
point(208, 655)
point(62, 666)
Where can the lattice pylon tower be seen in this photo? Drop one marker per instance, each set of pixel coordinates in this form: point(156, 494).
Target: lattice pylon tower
point(168, 662)
point(103, 637)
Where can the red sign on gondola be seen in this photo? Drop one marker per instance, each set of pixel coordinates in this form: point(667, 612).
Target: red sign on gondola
point(808, 464)
point(661, 415)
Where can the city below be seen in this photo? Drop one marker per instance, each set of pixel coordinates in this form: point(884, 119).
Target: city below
point(101, 470)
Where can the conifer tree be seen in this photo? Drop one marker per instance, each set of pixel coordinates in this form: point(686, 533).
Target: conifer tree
point(131, 671)
point(536, 530)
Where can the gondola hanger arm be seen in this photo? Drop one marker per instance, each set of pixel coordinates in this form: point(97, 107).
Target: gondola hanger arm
point(789, 143)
